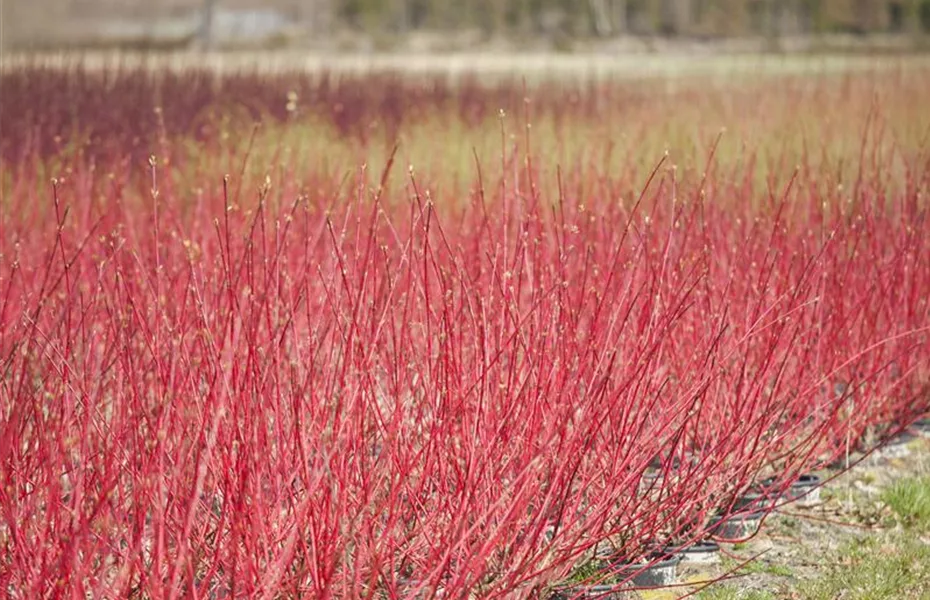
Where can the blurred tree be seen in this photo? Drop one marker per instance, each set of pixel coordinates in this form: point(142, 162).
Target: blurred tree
point(609, 17)
point(316, 15)
point(922, 20)
point(676, 16)
point(605, 18)
point(22, 22)
point(491, 16)
point(206, 23)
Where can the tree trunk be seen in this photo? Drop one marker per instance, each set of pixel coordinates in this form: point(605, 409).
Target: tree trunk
point(206, 25)
point(676, 16)
point(602, 24)
point(317, 15)
point(618, 10)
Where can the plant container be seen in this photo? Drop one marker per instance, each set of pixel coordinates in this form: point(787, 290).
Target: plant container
point(605, 592)
point(651, 481)
point(898, 446)
point(759, 497)
point(650, 573)
point(805, 491)
point(737, 527)
point(700, 553)
point(922, 427)
point(406, 587)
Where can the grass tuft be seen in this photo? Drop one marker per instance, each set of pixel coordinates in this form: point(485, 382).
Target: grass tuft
point(732, 592)
point(910, 501)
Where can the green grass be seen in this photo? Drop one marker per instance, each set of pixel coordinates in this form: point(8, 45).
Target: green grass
point(732, 592)
point(786, 525)
point(590, 571)
point(909, 499)
point(757, 567)
point(889, 568)
point(767, 568)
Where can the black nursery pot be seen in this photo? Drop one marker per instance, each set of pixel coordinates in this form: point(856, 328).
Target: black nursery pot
point(602, 592)
point(657, 574)
point(406, 586)
point(805, 491)
point(922, 427)
point(702, 552)
point(736, 527)
point(897, 446)
point(651, 481)
point(905, 437)
point(760, 497)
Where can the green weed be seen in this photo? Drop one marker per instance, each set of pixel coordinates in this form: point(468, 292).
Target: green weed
point(910, 501)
